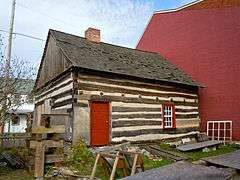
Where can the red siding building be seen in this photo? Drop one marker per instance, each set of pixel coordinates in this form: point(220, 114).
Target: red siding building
point(203, 39)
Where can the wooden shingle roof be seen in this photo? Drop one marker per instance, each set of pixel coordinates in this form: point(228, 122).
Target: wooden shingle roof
point(119, 60)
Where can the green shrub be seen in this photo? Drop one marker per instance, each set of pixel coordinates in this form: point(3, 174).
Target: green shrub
point(81, 159)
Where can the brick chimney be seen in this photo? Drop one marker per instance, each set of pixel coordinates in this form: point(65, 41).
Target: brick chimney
point(93, 35)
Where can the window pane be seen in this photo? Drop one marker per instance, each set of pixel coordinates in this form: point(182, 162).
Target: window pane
point(168, 115)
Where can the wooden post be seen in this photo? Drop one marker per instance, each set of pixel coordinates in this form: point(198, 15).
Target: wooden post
point(114, 167)
point(95, 167)
point(39, 160)
point(134, 164)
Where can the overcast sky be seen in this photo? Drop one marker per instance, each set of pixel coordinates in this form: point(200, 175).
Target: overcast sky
point(121, 22)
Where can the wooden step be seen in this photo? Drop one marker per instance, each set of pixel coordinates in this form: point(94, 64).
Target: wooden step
point(47, 143)
point(43, 130)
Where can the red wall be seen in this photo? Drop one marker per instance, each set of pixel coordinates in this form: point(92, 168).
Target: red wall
point(205, 44)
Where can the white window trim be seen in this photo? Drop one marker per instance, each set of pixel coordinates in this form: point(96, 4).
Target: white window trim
point(168, 115)
point(218, 123)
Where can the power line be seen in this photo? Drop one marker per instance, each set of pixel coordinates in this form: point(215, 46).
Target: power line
point(45, 14)
point(25, 35)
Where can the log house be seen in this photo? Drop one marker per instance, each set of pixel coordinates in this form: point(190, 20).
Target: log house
point(113, 93)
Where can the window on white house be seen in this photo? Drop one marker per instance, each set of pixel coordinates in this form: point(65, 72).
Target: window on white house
point(23, 98)
point(15, 120)
point(168, 116)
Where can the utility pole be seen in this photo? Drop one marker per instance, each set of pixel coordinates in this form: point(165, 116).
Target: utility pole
point(8, 64)
point(9, 49)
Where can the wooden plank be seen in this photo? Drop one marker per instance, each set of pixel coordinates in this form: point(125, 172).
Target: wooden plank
point(43, 130)
point(169, 154)
point(112, 176)
point(197, 146)
point(112, 148)
point(231, 160)
point(95, 167)
point(39, 160)
point(165, 154)
point(134, 164)
point(47, 143)
point(59, 114)
point(111, 155)
point(15, 136)
point(51, 158)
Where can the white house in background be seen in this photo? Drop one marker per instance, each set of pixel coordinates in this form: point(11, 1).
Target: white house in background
point(22, 108)
point(18, 118)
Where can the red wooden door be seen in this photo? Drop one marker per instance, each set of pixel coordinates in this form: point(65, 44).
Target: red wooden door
point(99, 123)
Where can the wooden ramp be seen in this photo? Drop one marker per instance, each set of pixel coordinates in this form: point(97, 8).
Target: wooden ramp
point(231, 160)
point(156, 150)
point(199, 146)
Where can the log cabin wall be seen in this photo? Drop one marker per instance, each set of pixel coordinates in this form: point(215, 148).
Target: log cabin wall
point(56, 98)
point(136, 108)
point(53, 88)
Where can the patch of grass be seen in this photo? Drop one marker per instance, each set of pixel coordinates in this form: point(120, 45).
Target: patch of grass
point(196, 155)
point(7, 173)
point(150, 164)
point(166, 147)
point(221, 150)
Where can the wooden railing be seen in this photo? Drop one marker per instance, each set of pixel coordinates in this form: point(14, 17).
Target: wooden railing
point(14, 139)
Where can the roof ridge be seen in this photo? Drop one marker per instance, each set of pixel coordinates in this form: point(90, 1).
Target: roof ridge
point(134, 49)
point(178, 8)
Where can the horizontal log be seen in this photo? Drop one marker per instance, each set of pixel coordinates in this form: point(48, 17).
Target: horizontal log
point(151, 116)
point(56, 92)
point(187, 123)
point(130, 116)
point(129, 83)
point(135, 123)
point(133, 100)
point(44, 93)
point(186, 116)
point(62, 103)
point(43, 130)
point(67, 108)
point(186, 110)
point(152, 131)
point(62, 94)
point(134, 109)
point(47, 143)
point(80, 104)
point(60, 79)
point(92, 87)
point(146, 109)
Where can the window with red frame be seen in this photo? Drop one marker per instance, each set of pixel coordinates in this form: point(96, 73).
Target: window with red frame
point(168, 116)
